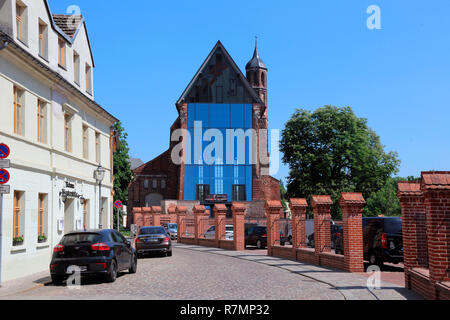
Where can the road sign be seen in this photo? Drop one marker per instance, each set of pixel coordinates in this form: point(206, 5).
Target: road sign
point(4, 189)
point(4, 176)
point(5, 163)
point(4, 151)
point(118, 204)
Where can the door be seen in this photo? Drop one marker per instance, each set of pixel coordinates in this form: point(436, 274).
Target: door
point(119, 250)
point(126, 250)
point(69, 216)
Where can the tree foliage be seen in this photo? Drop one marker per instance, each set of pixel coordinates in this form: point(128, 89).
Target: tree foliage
point(122, 168)
point(330, 151)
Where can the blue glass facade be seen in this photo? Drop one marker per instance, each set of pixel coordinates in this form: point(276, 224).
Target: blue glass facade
point(229, 173)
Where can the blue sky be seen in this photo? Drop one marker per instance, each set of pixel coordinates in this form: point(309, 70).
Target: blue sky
point(317, 52)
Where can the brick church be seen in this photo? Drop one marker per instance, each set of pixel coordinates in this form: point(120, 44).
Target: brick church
point(218, 104)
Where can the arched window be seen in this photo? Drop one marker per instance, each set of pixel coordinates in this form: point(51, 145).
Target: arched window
point(256, 78)
point(263, 79)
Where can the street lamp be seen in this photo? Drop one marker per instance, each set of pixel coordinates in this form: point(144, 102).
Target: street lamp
point(99, 174)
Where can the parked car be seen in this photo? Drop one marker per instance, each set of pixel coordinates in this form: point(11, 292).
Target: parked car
point(153, 240)
point(256, 235)
point(382, 240)
point(95, 253)
point(286, 234)
point(172, 230)
point(211, 232)
point(335, 229)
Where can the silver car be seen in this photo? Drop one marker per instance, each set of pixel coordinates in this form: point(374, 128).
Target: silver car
point(211, 232)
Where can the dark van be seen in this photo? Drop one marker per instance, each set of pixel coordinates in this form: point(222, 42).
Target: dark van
point(382, 240)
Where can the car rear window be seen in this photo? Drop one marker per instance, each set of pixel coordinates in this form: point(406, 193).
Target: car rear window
point(156, 230)
point(229, 228)
point(172, 225)
point(393, 225)
point(75, 238)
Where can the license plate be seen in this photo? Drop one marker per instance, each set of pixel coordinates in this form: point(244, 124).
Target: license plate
point(152, 240)
point(71, 269)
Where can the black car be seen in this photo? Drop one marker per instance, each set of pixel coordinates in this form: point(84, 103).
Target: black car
point(93, 252)
point(256, 235)
point(382, 240)
point(335, 231)
point(153, 240)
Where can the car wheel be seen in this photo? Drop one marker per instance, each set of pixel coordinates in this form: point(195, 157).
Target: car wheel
point(57, 280)
point(133, 264)
point(169, 253)
point(290, 240)
point(259, 244)
point(112, 274)
point(373, 259)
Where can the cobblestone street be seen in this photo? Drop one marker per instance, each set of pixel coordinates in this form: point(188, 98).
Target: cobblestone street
point(200, 273)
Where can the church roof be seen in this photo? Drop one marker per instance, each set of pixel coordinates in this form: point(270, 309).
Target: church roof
point(219, 47)
point(256, 62)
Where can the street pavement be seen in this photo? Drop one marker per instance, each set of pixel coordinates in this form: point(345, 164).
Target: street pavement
point(200, 273)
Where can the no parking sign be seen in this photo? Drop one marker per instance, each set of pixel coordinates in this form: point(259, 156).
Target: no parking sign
point(118, 204)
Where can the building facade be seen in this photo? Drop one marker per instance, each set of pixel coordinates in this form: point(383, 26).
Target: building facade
point(222, 145)
point(57, 133)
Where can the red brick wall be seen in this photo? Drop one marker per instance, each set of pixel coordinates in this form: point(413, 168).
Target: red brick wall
point(266, 188)
point(282, 252)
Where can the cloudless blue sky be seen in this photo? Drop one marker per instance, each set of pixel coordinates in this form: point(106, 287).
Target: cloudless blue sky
point(317, 53)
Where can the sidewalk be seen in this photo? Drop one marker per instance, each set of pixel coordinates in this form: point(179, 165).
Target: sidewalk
point(17, 286)
point(352, 286)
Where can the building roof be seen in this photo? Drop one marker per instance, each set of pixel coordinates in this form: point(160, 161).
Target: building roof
point(436, 180)
point(244, 80)
point(256, 62)
point(69, 24)
point(135, 163)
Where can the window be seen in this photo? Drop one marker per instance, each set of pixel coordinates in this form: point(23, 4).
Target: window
point(146, 184)
point(43, 40)
point(85, 214)
point(88, 79)
point(62, 52)
point(239, 192)
point(85, 142)
point(163, 184)
point(21, 21)
point(155, 183)
point(18, 214)
point(42, 215)
point(202, 192)
point(18, 111)
point(67, 133)
point(97, 147)
point(41, 122)
point(76, 68)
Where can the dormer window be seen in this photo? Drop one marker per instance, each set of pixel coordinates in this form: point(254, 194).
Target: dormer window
point(62, 52)
point(43, 40)
point(21, 22)
point(88, 79)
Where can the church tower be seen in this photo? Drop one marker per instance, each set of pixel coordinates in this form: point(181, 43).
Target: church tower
point(257, 75)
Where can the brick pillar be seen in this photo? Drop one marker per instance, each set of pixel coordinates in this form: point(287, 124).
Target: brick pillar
point(436, 190)
point(138, 218)
point(156, 213)
point(199, 213)
point(171, 211)
point(238, 210)
point(414, 227)
point(146, 213)
point(322, 234)
point(352, 205)
point(273, 210)
point(181, 227)
point(220, 212)
point(298, 224)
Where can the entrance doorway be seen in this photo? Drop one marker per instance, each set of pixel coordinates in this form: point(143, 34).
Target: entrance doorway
point(69, 215)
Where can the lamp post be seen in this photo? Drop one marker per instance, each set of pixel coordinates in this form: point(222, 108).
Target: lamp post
point(99, 174)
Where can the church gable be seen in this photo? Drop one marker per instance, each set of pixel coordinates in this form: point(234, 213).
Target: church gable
point(219, 80)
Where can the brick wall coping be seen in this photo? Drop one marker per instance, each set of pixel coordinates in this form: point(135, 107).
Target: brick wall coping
point(199, 208)
point(436, 180)
point(238, 206)
point(220, 207)
point(275, 204)
point(298, 202)
point(181, 209)
point(352, 198)
point(146, 209)
point(172, 209)
point(137, 209)
point(321, 200)
point(409, 188)
point(156, 209)
point(421, 271)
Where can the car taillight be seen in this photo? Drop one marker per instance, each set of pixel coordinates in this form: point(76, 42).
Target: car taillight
point(137, 240)
point(264, 235)
point(384, 240)
point(99, 247)
point(166, 239)
point(53, 266)
point(58, 248)
point(338, 234)
point(102, 264)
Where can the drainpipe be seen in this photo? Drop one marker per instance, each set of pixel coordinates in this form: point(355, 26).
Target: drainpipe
point(3, 42)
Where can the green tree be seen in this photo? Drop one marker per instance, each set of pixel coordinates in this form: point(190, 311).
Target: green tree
point(385, 200)
point(122, 170)
point(330, 151)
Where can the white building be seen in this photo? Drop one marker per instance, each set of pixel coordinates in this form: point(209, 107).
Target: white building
point(56, 132)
